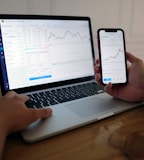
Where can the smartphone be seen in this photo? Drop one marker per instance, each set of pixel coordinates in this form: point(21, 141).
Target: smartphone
point(112, 55)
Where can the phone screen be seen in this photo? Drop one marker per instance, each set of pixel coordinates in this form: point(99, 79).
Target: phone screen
point(112, 56)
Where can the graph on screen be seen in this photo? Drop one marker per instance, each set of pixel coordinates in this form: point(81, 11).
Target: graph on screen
point(113, 57)
point(47, 50)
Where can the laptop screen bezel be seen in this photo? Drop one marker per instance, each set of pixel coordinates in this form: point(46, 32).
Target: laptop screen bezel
point(54, 84)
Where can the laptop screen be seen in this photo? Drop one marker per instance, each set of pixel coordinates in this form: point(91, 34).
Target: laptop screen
point(38, 50)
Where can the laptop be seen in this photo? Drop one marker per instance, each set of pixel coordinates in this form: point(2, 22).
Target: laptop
point(51, 59)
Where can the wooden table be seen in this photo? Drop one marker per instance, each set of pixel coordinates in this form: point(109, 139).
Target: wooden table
point(90, 142)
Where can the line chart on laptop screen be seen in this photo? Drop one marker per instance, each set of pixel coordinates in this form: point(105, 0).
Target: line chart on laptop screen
point(46, 50)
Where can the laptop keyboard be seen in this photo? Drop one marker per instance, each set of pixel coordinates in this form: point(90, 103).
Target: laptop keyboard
point(60, 95)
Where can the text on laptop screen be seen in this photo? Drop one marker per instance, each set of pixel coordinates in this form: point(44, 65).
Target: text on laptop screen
point(44, 51)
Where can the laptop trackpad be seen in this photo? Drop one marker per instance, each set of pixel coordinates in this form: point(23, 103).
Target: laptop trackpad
point(91, 107)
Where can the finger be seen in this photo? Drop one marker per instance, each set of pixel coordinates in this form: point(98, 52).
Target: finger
point(24, 98)
point(10, 94)
point(97, 69)
point(97, 62)
point(98, 78)
point(108, 88)
point(40, 113)
point(131, 58)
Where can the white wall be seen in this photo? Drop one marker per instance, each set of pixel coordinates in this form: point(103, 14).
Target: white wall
point(100, 12)
point(25, 6)
point(127, 14)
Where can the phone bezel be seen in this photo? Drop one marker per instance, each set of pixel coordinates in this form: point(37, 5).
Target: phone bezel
point(99, 51)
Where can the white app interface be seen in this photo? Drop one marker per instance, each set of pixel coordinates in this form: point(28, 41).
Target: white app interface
point(46, 51)
point(112, 57)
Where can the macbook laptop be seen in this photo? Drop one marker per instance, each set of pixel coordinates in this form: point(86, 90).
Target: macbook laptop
point(51, 59)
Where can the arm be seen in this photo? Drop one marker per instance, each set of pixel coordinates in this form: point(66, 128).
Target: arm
point(3, 136)
point(15, 116)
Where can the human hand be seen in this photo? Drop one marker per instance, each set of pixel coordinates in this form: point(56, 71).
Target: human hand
point(133, 91)
point(130, 140)
point(15, 116)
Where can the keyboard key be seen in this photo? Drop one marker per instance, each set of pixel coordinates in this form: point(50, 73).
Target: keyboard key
point(52, 97)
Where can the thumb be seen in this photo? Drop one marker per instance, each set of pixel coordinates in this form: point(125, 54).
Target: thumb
point(113, 91)
point(108, 88)
point(40, 113)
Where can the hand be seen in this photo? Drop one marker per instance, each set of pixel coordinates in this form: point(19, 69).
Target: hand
point(133, 91)
point(130, 140)
point(15, 116)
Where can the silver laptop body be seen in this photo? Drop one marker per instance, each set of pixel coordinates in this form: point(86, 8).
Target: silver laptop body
point(41, 55)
